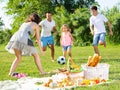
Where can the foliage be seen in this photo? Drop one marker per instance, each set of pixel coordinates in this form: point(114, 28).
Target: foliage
point(5, 36)
point(114, 17)
point(1, 23)
point(75, 13)
point(20, 9)
point(80, 25)
point(72, 5)
point(68, 4)
point(78, 22)
point(85, 3)
point(61, 17)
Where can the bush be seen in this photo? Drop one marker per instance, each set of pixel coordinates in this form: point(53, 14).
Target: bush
point(5, 36)
point(77, 21)
point(114, 16)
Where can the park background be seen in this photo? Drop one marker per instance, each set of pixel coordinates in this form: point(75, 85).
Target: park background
point(76, 14)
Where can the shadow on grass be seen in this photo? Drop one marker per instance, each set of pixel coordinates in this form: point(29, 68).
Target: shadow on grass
point(111, 60)
point(102, 60)
point(2, 51)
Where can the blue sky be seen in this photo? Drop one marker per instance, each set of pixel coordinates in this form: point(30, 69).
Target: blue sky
point(7, 19)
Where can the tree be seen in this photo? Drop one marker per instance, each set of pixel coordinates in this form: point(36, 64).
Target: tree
point(61, 17)
point(68, 4)
point(72, 5)
point(5, 36)
point(80, 25)
point(1, 23)
point(113, 15)
point(65, 11)
point(85, 3)
point(78, 22)
point(20, 9)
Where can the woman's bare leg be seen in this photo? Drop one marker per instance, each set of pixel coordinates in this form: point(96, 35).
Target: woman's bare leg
point(38, 63)
point(15, 62)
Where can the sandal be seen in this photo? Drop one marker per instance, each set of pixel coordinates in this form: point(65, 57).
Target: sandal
point(18, 75)
point(15, 74)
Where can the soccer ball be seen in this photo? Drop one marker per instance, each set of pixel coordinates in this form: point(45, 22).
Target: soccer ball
point(61, 60)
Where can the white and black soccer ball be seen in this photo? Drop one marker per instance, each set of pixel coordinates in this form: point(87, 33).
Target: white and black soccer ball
point(61, 60)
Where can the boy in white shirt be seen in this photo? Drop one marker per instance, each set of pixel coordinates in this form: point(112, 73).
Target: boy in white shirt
point(48, 25)
point(97, 28)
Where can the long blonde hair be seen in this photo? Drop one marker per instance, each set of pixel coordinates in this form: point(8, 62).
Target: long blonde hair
point(65, 25)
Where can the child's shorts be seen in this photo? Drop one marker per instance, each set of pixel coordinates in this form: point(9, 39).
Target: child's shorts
point(65, 48)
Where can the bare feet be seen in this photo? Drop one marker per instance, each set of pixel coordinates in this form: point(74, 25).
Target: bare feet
point(10, 74)
point(53, 60)
point(104, 44)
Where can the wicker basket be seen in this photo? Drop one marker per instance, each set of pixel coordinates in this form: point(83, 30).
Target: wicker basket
point(100, 71)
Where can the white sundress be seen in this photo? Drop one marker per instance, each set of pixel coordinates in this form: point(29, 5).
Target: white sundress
point(21, 40)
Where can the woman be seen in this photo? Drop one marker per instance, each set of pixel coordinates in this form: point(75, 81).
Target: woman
point(21, 44)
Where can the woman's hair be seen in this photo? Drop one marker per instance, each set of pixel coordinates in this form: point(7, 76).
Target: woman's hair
point(33, 18)
point(65, 25)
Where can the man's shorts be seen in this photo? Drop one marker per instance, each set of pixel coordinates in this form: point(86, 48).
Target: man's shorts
point(65, 48)
point(98, 37)
point(47, 41)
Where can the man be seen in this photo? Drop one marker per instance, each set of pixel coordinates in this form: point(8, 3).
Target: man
point(48, 25)
point(97, 28)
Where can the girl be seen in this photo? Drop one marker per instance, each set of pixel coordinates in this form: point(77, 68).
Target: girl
point(66, 40)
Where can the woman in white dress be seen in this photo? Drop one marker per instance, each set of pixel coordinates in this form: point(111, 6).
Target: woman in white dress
point(20, 43)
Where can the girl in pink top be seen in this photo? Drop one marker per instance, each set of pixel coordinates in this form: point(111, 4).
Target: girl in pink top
point(66, 40)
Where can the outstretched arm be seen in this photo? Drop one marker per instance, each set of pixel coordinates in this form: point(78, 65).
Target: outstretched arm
point(37, 35)
point(61, 40)
point(71, 37)
point(110, 27)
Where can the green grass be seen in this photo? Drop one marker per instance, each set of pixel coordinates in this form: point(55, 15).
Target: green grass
point(110, 55)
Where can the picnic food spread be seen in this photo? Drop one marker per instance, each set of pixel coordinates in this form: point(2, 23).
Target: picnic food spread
point(74, 75)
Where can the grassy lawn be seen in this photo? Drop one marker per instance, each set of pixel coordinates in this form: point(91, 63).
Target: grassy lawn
point(110, 55)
